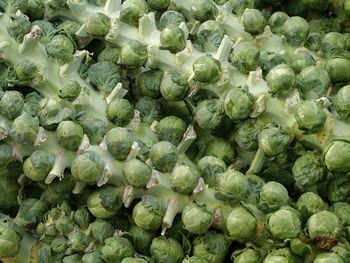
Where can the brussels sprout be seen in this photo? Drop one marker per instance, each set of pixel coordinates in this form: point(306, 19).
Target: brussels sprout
point(59, 245)
point(253, 21)
point(301, 60)
point(98, 25)
point(282, 255)
point(195, 260)
point(101, 230)
point(274, 140)
point(210, 35)
point(149, 82)
point(248, 255)
point(69, 134)
point(238, 103)
point(171, 18)
point(328, 258)
point(137, 173)
point(342, 102)
point(338, 189)
point(31, 212)
point(245, 57)
point(24, 129)
point(19, 27)
point(174, 86)
point(298, 247)
point(232, 186)
point(336, 156)
point(134, 54)
point(69, 27)
point(341, 210)
point(308, 170)
point(184, 179)
point(239, 6)
point(296, 30)
point(210, 168)
point(119, 141)
point(166, 250)
point(9, 240)
point(5, 155)
point(82, 217)
point(172, 38)
point(313, 41)
point(92, 257)
point(163, 156)
point(26, 70)
point(310, 203)
point(61, 48)
point(246, 135)
point(284, 223)
point(269, 60)
point(120, 112)
point(11, 104)
point(142, 239)
point(207, 69)
point(210, 113)
point(105, 202)
point(220, 148)
point(87, 167)
point(203, 10)
point(31, 100)
point(313, 82)
point(276, 22)
point(150, 109)
point(105, 75)
point(9, 188)
point(110, 54)
point(241, 224)
point(310, 116)
point(197, 219)
point(38, 165)
point(70, 91)
point(171, 129)
point(332, 44)
point(132, 11)
point(149, 213)
point(78, 241)
point(273, 195)
point(281, 80)
point(116, 248)
point(337, 69)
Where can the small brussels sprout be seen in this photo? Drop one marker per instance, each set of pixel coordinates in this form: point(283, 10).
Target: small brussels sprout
point(142, 239)
point(282, 255)
point(61, 48)
point(133, 55)
point(87, 167)
point(246, 135)
point(203, 10)
point(69, 134)
point(137, 173)
point(296, 30)
point(269, 60)
point(274, 140)
point(120, 112)
point(239, 6)
point(281, 80)
point(184, 179)
point(5, 155)
point(338, 189)
point(210, 35)
point(10, 240)
point(101, 230)
point(298, 247)
point(276, 22)
point(194, 260)
point(171, 129)
point(232, 186)
point(338, 69)
point(78, 241)
point(38, 165)
point(342, 211)
point(172, 38)
point(149, 82)
point(70, 91)
point(238, 103)
point(341, 102)
point(313, 82)
point(310, 203)
point(197, 219)
point(110, 54)
point(149, 212)
point(248, 255)
point(210, 168)
point(166, 250)
point(98, 25)
point(255, 183)
point(132, 11)
point(241, 224)
point(245, 57)
point(31, 212)
point(171, 18)
point(313, 41)
point(220, 148)
point(210, 113)
point(332, 44)
point(59, 245)
point(24, 129)
point(336, 156)
point(19, 27)
point(174, 86)
point(105, 202)
point(94, 128)
point(301, 60)
point(92, 257)
point(104, 75)
point(284, 224)
point(150, 109)
point(11, 104)
point(26, 70)
point(163, 156)
point(119, 141)
point(82, 217)
point(207, 69)
point(328, 258)
point(273, 195)
point(69, 27)
point(253, 21)
point(116, 248)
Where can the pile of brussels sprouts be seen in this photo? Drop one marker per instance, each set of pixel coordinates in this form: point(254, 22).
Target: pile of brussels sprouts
point(172, 131)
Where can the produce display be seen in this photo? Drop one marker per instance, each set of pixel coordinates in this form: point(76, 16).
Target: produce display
point(173, 131)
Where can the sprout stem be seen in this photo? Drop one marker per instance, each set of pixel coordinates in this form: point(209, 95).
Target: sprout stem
point(257, 163)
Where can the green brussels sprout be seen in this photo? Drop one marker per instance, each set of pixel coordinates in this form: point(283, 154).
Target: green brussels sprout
point(207, 69)
point(5, 154)
point(149, 212)
point(203, 10)
point(174, 86)
point(181, 109)
point(184, 178)
point(166, 250)
point(141, 239)
point(98, 25)
point(245, 56)
point(239, 6)
point(59, 190)
point(220, 148)
point(318, 5)
point(324, 229)
point(337, 189)
point(104, 75)
point(35, 9)
point(281, 80)
point(341, 210)
point(301, 60)
point(269, 60)
point(94, 128)
point(19, 27)
point(172, 38)
point(120, 112)
point(10, 240)
point(341, 102)
point(137, 173)
point(109, 54)
point(38, 165)
point(336, 156)
point(255, 183)
point(134, 260)
point(132, 11)
point(328, 258)
point(69, 134)
point(69, 27)
point(298, 247)
point(194, 260)
point(150, 109)
point(59, 245)
point(197, 218)
point(134, 54)
point(241, 224)
point(210, 168)
point(246, 135)
point(119, 141)
point(78, 241)
point(75, 258)
point(232, 186)
point(70, 91)
point(313, 41)
point(64, 223)
point(163, 156)
point(282, 255)
point(149, 82)
point(24, 129)
point(310, 203)
point(337, 69)
point(26, 70)
point(273, 195)
point(31, 100)
point(313, 82)
point(105, 202)
point(61, 48)
point(309, 170)
point(210, 113)
point(332, 44)
point(9, 188)
point(296, 30)
point(11, 104)
point(211, 246)
point(116, 248)
point(248, 255)
point(171, 129)
point(238, 103)
point(31, 212)
point(284, 224)
point(82, 217)
point(92, 257)
point(253, 21)
point(101, 230)
point(171, 18)
point(87, 167)
point(210, 35)
point(276, 22)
